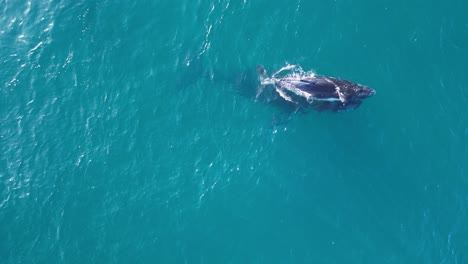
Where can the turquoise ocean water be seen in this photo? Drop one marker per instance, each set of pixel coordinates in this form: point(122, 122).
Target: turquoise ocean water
point(129, 133)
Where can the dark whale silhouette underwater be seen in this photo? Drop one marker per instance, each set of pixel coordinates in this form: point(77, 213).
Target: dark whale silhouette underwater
point(305, 89)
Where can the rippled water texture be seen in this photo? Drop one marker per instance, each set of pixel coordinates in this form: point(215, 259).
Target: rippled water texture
point(130, 133)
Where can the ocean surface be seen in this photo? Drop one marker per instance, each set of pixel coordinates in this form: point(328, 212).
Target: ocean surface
point(130, 133)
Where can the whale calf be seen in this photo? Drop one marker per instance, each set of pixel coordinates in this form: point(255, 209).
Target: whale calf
point(305, 88)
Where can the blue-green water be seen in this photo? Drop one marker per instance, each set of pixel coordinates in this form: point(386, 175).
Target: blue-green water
point(129, 133)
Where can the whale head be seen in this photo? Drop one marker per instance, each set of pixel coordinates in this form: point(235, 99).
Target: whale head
point(362, 92)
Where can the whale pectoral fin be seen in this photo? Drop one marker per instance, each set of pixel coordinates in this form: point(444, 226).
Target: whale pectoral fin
point(284, 95)
point(259, 91)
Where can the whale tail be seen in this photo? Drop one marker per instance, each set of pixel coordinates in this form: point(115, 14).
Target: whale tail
point(262, 76)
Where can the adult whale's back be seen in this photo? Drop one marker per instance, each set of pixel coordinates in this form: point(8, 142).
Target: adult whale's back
point(324, 92)
point(319, 88)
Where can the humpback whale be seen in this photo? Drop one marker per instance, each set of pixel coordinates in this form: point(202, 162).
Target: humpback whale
point(307, 89)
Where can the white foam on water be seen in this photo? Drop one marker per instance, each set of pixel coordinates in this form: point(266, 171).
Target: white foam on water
point(293, 71)
point(290, 72)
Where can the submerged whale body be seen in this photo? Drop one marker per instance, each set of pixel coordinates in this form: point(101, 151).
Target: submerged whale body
point(306, 89)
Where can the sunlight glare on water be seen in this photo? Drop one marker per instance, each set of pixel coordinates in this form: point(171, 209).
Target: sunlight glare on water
point(130, 132)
